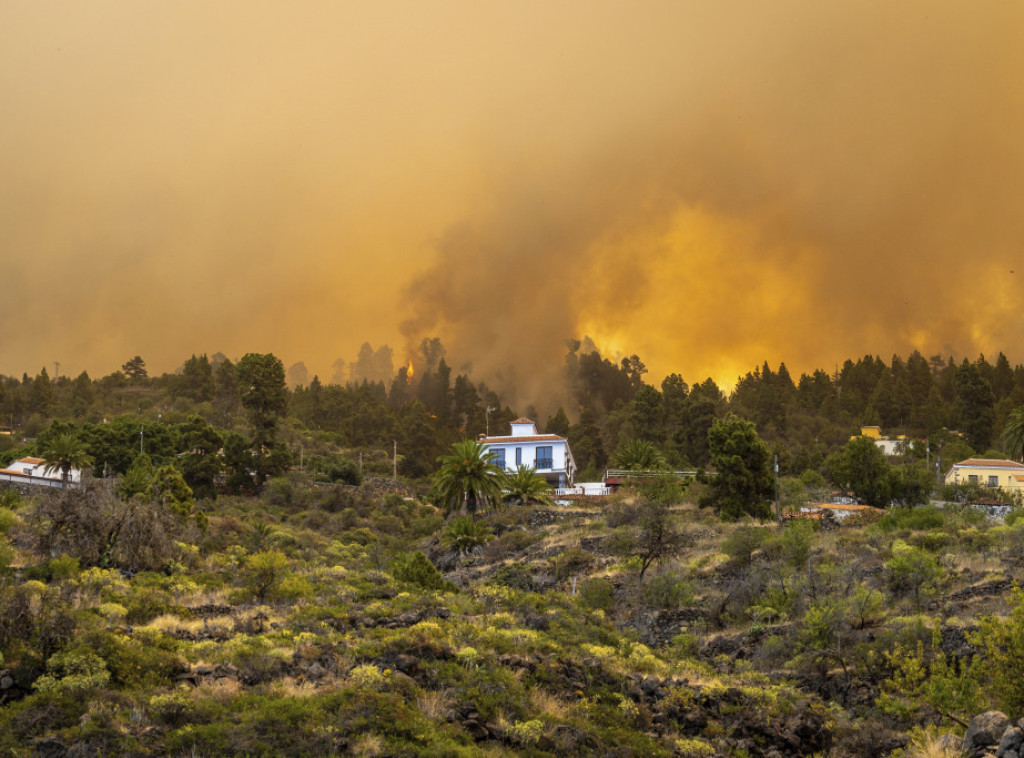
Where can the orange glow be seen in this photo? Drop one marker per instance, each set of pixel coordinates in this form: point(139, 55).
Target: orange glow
point(409, 372)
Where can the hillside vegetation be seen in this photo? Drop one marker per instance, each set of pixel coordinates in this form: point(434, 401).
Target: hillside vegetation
point(253, 569)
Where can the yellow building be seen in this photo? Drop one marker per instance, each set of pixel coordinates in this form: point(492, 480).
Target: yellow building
point(1006, 475)
point(889, 445)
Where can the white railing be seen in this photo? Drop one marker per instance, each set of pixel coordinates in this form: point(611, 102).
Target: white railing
point(580, 491)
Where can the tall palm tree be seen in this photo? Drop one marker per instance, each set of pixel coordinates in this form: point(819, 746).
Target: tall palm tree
point(468, 478)
point(1013, 434)
point(64, 452)
point(525, 485)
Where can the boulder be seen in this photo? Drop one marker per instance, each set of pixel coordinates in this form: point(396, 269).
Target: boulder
point(984, 733)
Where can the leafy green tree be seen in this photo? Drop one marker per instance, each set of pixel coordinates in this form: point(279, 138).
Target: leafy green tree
point(587, 444)
point(975, 403)
point(262, 390)
point(83, 395)
point(1013, 434)
point(63, 453)
point(911, 571)
point(742, 484)
point(861, 468)
point(924, 683)
point(40, 396)
point(468, 478)
point(558, 424)
point(653, 536)
point(263, 573)
point(1001, 644)
point(263, 393)
point(196, 380)
point(525, 485)
point(198, 445)
point(135, 370)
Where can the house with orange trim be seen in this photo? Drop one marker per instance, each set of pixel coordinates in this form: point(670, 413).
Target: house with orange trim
point(548, 454)
point(35, 472)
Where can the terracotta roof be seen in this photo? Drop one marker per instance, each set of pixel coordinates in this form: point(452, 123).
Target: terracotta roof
point(531, 438)
point(989, 463)
point(523, 420)
point(35, 461)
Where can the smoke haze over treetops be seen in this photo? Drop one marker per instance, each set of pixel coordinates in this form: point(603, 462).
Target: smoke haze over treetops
point(708, 185)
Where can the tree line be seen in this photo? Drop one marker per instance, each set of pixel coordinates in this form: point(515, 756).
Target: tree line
point(949, 410)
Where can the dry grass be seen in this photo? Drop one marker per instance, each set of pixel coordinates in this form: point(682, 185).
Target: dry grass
point(218, 689)
point(170, 624)
point(369, 745)
point(435, 705)
point(289, 686)
point(546, 704)
point(929, 743)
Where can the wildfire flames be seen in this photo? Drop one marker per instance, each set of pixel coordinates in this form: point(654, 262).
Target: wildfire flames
point(409, 372)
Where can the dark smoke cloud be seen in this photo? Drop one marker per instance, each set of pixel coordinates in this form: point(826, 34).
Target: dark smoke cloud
point(841, 182)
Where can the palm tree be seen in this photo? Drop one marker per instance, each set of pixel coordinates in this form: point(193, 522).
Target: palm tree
point(525, 485)
point(462, 535)
point(468, 478)
point(1013, 434)
point(64, 452)
point(639, 455)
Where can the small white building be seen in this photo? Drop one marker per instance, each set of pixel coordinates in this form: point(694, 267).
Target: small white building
point(33, 471)
point(548, 454)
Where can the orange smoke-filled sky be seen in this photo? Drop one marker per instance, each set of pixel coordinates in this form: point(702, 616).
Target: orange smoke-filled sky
point(707, 184)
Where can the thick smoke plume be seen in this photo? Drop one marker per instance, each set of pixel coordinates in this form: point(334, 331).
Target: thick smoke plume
point(707, 185)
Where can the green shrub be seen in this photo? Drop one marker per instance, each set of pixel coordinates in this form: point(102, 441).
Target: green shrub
point(73, 671)
point(63, 568)
point(667, 590)
point(417, 569)
point(920, 518)
point(264, 572)
point(597, 594)
point(572, 562)
point(463, 534)
point(796, 540)
point(8, 518)
point(743, 542)
point(517, 576)
point(911, 570)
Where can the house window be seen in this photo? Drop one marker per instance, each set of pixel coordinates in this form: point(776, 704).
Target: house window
point(993, 481)
point(519, 456)
point(498, 456)
point(545, 460)
point(972, 478)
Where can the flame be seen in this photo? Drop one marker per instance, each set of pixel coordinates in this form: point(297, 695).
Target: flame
point(409, 372)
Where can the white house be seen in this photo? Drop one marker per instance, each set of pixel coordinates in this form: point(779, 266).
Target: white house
point(33, 471)
point(548, 454)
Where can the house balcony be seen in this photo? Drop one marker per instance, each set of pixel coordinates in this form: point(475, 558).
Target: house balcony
point(544, 464)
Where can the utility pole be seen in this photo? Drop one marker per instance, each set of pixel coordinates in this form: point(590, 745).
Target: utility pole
point(778, 505)
point(142, 429)
point(395, 459)
point(487, 420)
